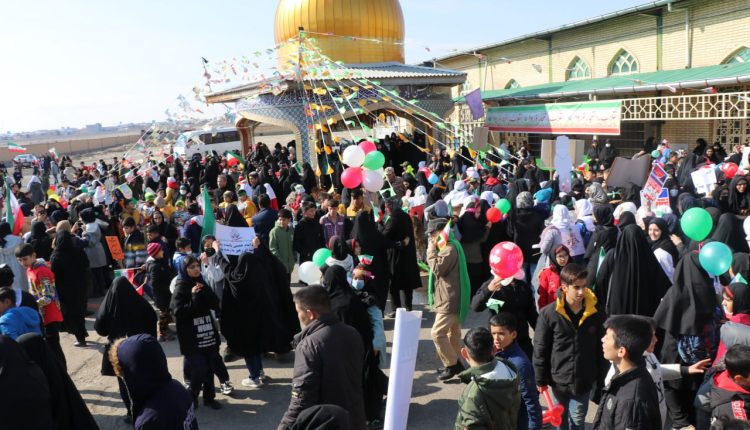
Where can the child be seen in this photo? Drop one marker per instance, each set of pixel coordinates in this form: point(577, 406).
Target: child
point(160, 276)
point(730, 389)
point(130, 211)
point(662, 372)
point(504, 333)
point(549, 277)
point(491, 399)
point(630, 400)
point(568, 330)
point(180, 215)
point(183, 250)
point(308, 234)
point(281, 240)
point(360, 276)
point(42, 286)
point(134, 246)
point(246, 206)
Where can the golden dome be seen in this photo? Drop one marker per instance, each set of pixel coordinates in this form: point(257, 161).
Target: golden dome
point(372, 19)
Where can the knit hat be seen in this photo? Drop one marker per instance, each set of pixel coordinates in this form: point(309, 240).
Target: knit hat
point(153, 249)
point(172, 183)
point(150, 196)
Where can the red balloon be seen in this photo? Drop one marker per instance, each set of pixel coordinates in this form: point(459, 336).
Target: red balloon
point(729, 169)
point(351, 177)
point(506, 259)
point(494, 215)
point(368, 146)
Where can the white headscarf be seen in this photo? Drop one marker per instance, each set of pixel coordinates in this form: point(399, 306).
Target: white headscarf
point(420, 197)
point(561, 217)
point(569, 235)
point(584, 212)
point(624, 207)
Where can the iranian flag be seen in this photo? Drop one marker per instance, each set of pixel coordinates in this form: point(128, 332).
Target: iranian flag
point(444, 237)
point(13, 214)
point(130, 275)
point(55, 154)
point(234, 159)
point(209, 221)
point(378, 214)
point(12, 147)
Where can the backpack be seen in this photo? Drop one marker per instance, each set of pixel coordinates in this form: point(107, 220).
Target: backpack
point(585, 233)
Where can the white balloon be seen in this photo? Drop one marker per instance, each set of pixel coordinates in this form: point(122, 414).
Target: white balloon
point(372, 180)
point(354, 156)
point(309, 273)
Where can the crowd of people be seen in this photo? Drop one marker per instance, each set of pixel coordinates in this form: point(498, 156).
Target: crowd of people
point(612, 304)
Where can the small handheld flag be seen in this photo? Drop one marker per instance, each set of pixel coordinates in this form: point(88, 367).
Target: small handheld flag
point(444, 237)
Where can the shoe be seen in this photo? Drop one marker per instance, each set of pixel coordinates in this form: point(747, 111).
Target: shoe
point(451, 371)
point(211, 403)
point(252, 382)
point(227, 388)
point(229, 356)
point(80, 344)
point(390, 315)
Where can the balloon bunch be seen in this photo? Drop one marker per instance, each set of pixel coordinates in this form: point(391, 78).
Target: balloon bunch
point(506, 260)
point(715, 257)
point(309, 271)
point(501, 209)
point(365, 167)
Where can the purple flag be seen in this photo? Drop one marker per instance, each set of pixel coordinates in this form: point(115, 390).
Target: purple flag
point(474, 100)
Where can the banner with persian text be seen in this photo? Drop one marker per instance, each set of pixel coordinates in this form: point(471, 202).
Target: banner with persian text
point(595, 118)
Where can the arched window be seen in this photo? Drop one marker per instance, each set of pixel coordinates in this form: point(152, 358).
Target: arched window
point(623, 63)
point(512, 84)
point(578, 69)
point(741, 55)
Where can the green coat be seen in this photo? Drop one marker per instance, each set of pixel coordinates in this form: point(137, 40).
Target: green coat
point(280, 243)
point(492, 398)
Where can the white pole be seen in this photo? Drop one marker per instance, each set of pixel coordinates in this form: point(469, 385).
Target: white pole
point(403, 361)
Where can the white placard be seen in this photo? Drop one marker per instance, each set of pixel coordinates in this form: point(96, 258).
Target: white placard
point(403, 361)
point(235, 240)
point(704, 180)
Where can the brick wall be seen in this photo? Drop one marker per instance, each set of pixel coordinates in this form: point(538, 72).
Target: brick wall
point(687, 131)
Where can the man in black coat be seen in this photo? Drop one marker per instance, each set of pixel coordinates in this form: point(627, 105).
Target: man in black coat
point(308, 235)
point(630, 401)
point(327, 361)
point(402, 259)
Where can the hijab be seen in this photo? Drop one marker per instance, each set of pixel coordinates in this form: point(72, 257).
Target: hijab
point(596, 194)
point(664, 242)
point(740, 294)
point(124, 312)
point(40, 240)
point(561, 217)
point(737, 200)
point(472, 229)
point(233, 217)
point(5, 230)
point(626, 218)
point(637, 282)
point(24, 393)
point(68, 408)
point(741, 264)
point(691, 300)
point(340, 254)
point(346, 304)
point(729, 231)
point(584, 213)
point(144, 369)
point(686, 201)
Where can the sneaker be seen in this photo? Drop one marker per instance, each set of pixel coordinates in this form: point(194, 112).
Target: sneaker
point(252, 382)
point(211, 403)
point(80, 344)
point(390, 315)
point(227, 388)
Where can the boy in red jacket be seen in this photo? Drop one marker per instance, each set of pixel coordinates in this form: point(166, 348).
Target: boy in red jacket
point(42, 287)
point(549, 277)
point(730, 389)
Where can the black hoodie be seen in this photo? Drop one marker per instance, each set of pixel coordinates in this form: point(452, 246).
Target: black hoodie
point(728, 400)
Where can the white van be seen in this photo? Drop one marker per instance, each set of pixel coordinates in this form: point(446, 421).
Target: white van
point(205, 141)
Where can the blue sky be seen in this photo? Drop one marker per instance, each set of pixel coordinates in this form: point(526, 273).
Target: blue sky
point(76, 62)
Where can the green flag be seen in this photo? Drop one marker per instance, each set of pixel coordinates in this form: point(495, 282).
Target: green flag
point(209, 221)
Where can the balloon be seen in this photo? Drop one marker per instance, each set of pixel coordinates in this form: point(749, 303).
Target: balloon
point(374, 160)
point(696, 223)
point(309, 273)
point(493, 215)
point(352, 177)
point(433, 179)
point(503, 205)
point(354, 156)
point(506, 259)
point(716, 258)
point(655, 153)
point(372, 180)
point(729, 169)
point(320, 256)
point(367, 146)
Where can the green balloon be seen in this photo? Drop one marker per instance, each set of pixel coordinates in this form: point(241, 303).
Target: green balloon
point(374, 160)
point(656, 154)
point(696, 223)
point(320, 256)
point(503, 205)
